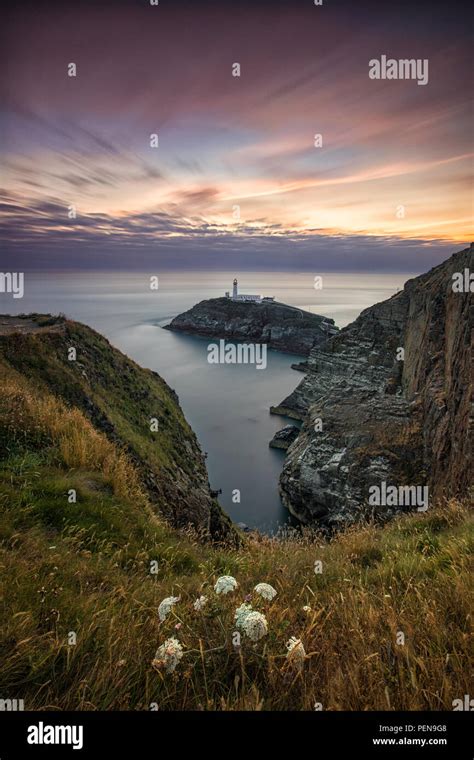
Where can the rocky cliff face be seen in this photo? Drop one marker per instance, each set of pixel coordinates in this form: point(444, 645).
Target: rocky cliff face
point(388, 399)
point(281, 327)
point(133, 406)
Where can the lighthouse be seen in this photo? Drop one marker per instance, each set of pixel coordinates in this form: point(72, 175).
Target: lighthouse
point(244, 297)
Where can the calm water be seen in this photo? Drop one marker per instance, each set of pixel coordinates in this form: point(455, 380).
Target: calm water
point(227, 405)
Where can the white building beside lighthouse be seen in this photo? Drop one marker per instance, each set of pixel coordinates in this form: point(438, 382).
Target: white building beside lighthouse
point(245, 296)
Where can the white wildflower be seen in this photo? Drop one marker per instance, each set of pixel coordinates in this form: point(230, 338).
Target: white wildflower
point(296, 652)
point(168, 655)
point(255, 625)
point(165, 607)
point(307, 608)
point(225, 584)
point(265, 590)
point(241, 613)
point(200, 603)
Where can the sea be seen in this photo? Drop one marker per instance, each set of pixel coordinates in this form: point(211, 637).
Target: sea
point(227, 405)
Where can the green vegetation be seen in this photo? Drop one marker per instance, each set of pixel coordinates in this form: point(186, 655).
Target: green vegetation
point(103, 383)
point(132, 406)
point(84, 567)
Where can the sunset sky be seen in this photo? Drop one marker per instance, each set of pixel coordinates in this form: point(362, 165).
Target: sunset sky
point(227, 141)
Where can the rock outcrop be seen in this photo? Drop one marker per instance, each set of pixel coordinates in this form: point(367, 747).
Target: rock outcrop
point(285, 437)
point(388, 399)
point(282, 327)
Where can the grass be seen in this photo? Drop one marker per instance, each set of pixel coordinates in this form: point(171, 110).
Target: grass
point(120, 399)
point(83, 568)
point(105, 382)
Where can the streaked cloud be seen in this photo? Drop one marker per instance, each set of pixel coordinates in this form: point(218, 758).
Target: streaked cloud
point(227, 142)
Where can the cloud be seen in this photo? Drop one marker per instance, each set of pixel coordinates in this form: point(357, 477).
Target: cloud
point(139, 241)
point(226, 141)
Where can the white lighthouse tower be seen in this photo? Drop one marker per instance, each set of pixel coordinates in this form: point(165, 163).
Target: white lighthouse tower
point(244, 297)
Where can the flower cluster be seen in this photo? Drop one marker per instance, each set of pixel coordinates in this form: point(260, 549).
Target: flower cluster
point(225, 584)
point(255, 625)
point(165, 607)
point(251, 622)
point(266, 591)
point(168, 655)
point(241, 613)
point(200, 603)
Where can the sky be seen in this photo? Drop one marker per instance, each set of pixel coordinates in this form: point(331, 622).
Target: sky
point(236, 179)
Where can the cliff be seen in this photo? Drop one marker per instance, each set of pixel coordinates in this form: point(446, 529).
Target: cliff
point(372, 414)
point(132, 406)
point(281, 327)
point(88, 564)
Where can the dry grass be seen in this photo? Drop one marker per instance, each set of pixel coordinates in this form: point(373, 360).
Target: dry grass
point(47, 421)
point(86, 569)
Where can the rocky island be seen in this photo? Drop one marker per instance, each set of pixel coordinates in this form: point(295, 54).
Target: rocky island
point(387, 400)
point(253, 318)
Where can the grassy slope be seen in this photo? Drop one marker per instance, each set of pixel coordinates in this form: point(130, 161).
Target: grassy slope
point(112, 386)
point(84, 567)
point(121, 398)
